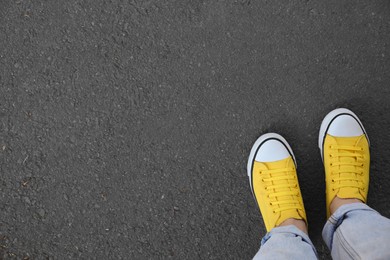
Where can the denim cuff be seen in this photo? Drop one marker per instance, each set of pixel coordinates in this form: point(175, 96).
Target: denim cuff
point(290, 229)
point(337, 218)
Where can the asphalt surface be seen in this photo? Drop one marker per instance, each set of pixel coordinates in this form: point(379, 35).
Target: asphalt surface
point(125, 125)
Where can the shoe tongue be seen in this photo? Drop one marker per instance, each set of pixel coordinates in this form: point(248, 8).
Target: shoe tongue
point(347, 170)
point(350, 193)
point(291, 213)
point(278, 165)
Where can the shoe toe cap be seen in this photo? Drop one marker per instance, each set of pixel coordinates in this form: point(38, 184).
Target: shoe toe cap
point(271, 151)
point(345, 126)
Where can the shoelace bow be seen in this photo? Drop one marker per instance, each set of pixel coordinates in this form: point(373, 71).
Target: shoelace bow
point(280, 190)
point(347, 169)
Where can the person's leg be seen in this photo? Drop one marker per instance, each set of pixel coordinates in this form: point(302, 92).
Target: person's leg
point(286, 242)
point(353, 230)
point(274, 184)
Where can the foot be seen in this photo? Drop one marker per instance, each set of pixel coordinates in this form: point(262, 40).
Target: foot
point(274, 183)
point(345, 152)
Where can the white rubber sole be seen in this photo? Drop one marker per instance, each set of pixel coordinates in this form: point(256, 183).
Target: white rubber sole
point(256, 147)
point(328, 120)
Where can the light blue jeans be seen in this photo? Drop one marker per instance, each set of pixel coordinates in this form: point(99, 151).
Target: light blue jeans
point(354, 231)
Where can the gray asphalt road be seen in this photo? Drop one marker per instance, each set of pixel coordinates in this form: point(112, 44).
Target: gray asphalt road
point(125, 125)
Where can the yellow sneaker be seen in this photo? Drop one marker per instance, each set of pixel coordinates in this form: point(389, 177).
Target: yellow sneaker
point(345, 152)
point(273, 180)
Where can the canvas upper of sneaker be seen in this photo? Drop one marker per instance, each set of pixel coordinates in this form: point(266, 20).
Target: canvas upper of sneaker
point(273, 178)
point(345, 152)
